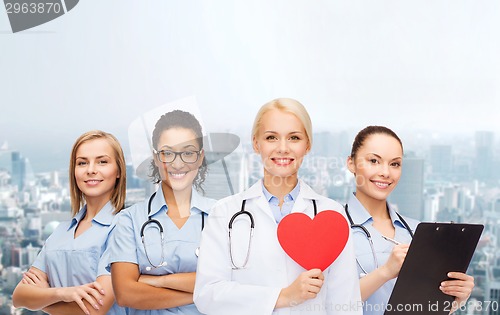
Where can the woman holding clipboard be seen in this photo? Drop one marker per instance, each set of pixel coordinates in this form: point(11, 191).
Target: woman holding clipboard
point(381, 236)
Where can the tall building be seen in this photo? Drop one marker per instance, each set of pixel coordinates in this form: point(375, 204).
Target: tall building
point(6, 160)
point(462, 168)
point(133, 181)
point(408, 195)
point(18, 170)
point(449, 199)
point(431, 207)
point(331, 144)
point(54, 179)
point(441, 160)
point(226, 177)
point(484, 155)
point(15, 256)
point(493, 297)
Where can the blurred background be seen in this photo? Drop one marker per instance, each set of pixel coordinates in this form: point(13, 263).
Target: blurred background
point(429, 70)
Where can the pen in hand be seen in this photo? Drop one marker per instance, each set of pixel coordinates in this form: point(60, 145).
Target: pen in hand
point(390, 240)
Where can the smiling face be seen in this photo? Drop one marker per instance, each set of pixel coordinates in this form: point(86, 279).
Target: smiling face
point(96, 169)
point(178, 175)
point(282, 143)
point(377, 166)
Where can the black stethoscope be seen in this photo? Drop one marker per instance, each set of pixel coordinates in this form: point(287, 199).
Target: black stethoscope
point(252, 226)
point(369, 236)
point(160, 228)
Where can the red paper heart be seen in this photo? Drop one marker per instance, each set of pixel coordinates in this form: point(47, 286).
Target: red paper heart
point(313, 243)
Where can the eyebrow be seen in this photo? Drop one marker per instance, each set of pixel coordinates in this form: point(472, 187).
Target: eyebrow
point(375, 155)
point(97, 157)
point(184, 147)
point(290, 133)
point(396, 158)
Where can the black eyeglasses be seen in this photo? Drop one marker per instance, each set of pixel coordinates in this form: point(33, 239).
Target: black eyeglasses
point(168, 156)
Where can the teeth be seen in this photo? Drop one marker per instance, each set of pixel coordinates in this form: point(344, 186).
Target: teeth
point(177, 175)
point(282, 161)
point(381, 185)
point(92, 181)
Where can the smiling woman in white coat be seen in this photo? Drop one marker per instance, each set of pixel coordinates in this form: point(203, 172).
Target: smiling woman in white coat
point(244, 270)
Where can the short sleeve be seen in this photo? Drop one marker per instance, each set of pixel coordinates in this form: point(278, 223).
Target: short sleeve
point(40, 261)
point(104, 260)
point(121, 245)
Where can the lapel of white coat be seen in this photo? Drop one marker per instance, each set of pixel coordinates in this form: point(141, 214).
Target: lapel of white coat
point(304, 199)
point(256, 195)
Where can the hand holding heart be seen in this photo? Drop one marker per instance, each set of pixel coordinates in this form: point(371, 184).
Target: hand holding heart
point(313, 243)
point(305, 287)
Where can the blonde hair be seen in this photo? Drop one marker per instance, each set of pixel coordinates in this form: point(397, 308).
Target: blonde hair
point(119, 191)
point(287, 105)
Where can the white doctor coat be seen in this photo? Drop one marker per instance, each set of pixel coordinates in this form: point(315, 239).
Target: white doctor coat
point(254, 290)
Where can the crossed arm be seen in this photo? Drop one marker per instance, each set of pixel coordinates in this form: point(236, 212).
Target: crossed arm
point(176, 281)
point(147, 292)
point(34, 292)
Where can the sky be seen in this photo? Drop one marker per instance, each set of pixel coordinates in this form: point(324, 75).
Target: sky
point(410, 65)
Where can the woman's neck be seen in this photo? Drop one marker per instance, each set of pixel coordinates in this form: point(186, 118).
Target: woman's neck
point(94, 205)
point(178, 202)
point(279, 186)
point(376, 208)
point(379, 213)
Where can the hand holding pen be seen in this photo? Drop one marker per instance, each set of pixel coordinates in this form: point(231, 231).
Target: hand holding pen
point(396, 258)
point(391, 240)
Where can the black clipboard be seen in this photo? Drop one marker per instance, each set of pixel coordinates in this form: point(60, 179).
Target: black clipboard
point(436, 249)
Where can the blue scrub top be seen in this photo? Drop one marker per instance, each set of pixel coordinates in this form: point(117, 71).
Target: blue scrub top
point(70, 261)
point(179, 245)
point(376, 303)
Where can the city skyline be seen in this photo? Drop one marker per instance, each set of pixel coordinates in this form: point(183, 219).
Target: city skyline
point(429, 70)
point(441, 184)
point(419, 141)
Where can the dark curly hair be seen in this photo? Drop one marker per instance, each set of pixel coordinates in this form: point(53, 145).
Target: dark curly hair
point(179, 119)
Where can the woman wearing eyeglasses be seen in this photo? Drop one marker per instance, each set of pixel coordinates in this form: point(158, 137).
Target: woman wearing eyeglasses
point(381, 236)
point(69, 275)
point(155, 245)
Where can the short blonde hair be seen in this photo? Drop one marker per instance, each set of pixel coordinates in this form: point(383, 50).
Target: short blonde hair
point(287, 105)
point(119, 191)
